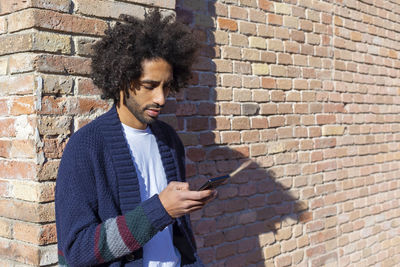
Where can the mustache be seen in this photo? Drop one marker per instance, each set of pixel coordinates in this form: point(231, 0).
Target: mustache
point(153, 106)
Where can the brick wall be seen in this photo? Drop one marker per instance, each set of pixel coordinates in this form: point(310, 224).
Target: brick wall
point(307, 89)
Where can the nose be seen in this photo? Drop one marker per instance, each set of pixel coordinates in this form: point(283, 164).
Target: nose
point(159, 95)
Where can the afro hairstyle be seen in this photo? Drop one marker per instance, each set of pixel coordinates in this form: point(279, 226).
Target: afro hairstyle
point(118, 56)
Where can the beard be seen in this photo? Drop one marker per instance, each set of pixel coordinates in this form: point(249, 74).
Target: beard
point(139, 112)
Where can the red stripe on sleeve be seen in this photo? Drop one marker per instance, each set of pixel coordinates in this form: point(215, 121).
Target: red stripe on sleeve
point(126, 234)
point(96, 245)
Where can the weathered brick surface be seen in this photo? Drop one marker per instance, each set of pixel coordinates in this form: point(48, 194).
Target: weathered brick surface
point(308, 90)
point(51, 20)
point(107, 9)
point(15, 5)
point(309, 109)
point(48, 42)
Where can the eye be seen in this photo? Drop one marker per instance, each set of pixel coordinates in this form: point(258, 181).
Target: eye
point(149, 86)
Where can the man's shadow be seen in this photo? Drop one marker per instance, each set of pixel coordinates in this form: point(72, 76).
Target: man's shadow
point(257, 208)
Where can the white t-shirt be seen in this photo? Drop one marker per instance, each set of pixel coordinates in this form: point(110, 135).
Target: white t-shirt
point(160, 250)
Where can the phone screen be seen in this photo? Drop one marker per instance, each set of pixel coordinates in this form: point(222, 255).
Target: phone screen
point(214, 182)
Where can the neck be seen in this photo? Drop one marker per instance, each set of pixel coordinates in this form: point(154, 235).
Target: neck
point(127, 118)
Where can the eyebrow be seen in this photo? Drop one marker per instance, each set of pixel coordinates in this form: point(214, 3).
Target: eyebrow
point(155, 82)
point(149, 81)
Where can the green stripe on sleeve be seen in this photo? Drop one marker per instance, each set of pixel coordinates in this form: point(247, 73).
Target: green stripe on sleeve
point(139, 225)
point(103, 247)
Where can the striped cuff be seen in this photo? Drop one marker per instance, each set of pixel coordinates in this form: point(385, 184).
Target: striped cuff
point(122, 235)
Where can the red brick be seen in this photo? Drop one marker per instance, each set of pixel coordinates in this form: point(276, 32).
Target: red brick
point(240, 123)
point(198, 93)
point(258, 149)
point(238, 12)
point(91, 105)
point(234, 205)
point(230, 108)
point(17, 85)
point(205, 226)
point(239, 152)
point(326, 119)
point(205, 109)
point(284, 260)
point(259, 123)
point(15, 5)
point(3, 107)
point(268, 109)
point(306, 25)
point(20, 252)
point(275, 45)
point(22, 105)
point(12, 6)
point(212, 210)
point(5, 147)
point(22, 149)
point(268, 57)
point(53, 105)
point(227, 24)
point(247, 28)
point(230, 80)
point(59, 85)
point(306, 217)
point(27, 211)
point(41, 18)
point(235, 234)
point(197, 124)
point(5, 192)
point(63, 65)
point(276, 121)
point(213, 239)
point(34, 233)
point(53, 148)
point(277, 96)
point(257, 16)
point(266, 5)
point(226, 250)
point(221, 123)
point(274, 19)
point(250, 136)
point(86, 87)
point(329, 258)
point(230, 137)
point(7, 127)
point(318, 250)
point(110, 9)
point(269, 83)
point(284, 84)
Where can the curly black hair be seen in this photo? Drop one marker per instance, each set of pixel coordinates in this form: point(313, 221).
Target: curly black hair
point(118, 56)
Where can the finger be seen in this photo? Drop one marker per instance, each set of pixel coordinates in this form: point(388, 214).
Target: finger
point(193, 203)
point(211, 198)
point(212, 195)
point(195, 209)
point(197, 195)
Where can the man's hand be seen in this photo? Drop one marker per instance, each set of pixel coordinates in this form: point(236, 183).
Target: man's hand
point(178, 200)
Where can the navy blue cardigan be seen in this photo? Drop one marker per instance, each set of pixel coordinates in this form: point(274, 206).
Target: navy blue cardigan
point(99, 214)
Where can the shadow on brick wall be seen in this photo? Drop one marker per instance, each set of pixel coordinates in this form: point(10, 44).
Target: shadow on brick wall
point(255, 209)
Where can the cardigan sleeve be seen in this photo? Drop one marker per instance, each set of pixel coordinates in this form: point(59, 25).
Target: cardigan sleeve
point(83, 238)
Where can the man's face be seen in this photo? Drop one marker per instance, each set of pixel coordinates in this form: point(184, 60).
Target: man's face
point(147, 95)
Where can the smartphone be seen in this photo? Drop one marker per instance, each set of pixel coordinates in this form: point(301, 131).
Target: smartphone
point(214, 182)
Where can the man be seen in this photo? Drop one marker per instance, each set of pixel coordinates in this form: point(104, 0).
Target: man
point(121, 195)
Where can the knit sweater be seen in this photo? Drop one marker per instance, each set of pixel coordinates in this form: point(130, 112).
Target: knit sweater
point(99, 214)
